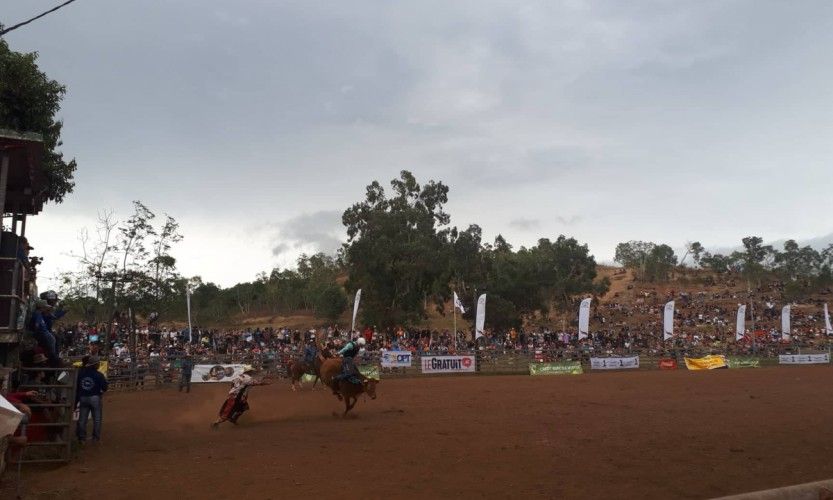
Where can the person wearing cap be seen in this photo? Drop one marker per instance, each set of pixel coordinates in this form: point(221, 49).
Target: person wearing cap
point(237, 401)
point(90, 388)
point(348, 366)
point(51, 298)
point(43, 334)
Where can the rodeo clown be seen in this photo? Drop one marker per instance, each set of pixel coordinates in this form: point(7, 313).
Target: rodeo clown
point(237, 401)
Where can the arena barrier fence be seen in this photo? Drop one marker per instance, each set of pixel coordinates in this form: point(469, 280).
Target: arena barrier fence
point(155, 373)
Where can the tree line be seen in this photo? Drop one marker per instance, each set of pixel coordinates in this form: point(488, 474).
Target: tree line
point(802, 270)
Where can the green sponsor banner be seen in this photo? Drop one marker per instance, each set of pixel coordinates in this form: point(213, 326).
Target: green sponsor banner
point(370, 371)
point(558, 368)
point(743, 362)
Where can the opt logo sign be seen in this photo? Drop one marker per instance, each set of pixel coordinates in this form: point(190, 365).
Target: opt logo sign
point(448, 364)
point(396, 359)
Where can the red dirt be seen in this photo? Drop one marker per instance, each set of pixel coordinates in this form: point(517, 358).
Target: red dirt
point(621, 435)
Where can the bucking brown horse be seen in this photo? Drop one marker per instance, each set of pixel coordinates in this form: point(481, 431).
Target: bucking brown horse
point(345, 390)
point(297, 368)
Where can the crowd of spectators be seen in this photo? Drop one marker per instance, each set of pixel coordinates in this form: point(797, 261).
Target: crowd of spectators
point(704, 322)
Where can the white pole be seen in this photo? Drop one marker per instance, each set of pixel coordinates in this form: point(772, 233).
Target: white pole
point(188, 303)
point(455, 326)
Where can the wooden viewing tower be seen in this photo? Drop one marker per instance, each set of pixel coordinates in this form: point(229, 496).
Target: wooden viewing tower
point(23, 187)
point(22, 193)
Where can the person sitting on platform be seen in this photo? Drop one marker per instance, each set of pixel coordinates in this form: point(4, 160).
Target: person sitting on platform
point(43, 334)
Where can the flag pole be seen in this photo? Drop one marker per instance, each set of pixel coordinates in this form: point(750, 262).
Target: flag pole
point(188, 304)
point(454, 306)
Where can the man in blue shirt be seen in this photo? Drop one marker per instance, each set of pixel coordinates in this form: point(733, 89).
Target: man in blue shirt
point(310, 353)
point(185, 369)
point(51, 298)
point(91, 387)
point(43, 334)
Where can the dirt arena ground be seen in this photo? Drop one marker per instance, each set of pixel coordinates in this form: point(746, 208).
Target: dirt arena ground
point(646, 434)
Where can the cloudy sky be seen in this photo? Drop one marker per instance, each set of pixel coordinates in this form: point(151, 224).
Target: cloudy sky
point(255, 123)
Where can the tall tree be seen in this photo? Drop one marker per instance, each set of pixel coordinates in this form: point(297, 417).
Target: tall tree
point(393, 248)
point(29, 101)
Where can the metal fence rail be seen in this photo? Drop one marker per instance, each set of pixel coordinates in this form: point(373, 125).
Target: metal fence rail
point(49, 433)
point(165, 372)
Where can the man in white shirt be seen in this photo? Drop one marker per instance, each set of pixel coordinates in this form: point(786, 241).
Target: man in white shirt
point(237, 401)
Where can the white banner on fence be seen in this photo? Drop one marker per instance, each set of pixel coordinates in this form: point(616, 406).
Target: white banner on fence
point(447, 364)
point(396, 359)
point(614, 363)
point(216, 373)
point(584, 318)
point(740, 327)
point(668, 321)
point(803, 359)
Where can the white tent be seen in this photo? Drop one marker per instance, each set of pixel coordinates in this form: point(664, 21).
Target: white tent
point(9, 417)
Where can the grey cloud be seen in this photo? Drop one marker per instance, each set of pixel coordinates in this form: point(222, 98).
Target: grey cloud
point(609, 108)
point(280, 249)
point(569, 221)
point(525, 224)
point(318, 232)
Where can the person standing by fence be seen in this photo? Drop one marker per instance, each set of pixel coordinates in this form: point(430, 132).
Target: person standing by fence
point(91, 387)
point(185, 369)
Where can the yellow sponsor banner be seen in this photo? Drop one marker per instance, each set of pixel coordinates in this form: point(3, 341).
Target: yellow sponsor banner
point(710, 362)
point(102, 366)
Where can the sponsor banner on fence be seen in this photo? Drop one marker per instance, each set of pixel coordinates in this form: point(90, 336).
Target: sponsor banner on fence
point(668, 364)
point(743, 362)
point(556, 368)
point(370, 371)
point(216, 373)
point(448, 364)
point(396, 359)
point(803, 359)
point(711, 362)
point(614, 363)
